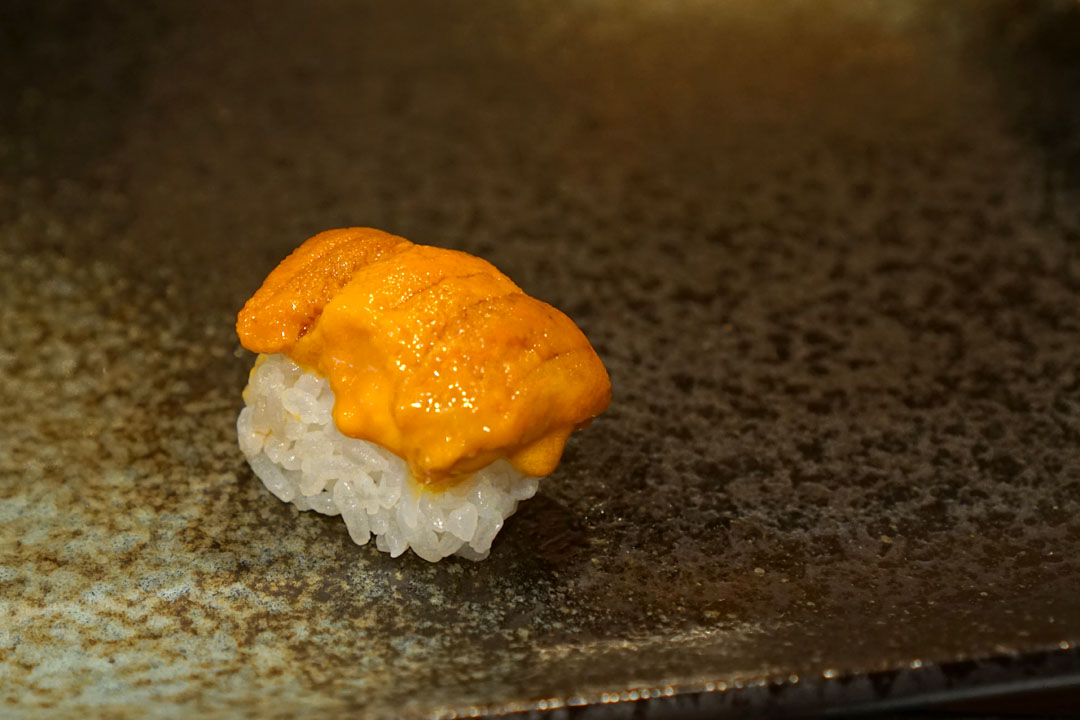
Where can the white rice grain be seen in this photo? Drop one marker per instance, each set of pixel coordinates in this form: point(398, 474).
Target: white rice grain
point(287, 433)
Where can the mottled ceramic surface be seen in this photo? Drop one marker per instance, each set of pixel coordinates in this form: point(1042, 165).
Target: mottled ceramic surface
point(830, 253)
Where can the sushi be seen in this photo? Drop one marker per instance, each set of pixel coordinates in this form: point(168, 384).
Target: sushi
point(414, 390)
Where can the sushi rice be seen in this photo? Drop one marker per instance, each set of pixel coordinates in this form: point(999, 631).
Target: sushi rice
point(288, 435)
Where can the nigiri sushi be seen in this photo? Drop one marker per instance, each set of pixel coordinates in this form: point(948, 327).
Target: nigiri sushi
point(414, 390)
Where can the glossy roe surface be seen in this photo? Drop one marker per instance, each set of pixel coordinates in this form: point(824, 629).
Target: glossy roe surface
point(432, 353)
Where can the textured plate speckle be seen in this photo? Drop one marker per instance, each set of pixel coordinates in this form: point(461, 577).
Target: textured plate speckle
point(830, 253)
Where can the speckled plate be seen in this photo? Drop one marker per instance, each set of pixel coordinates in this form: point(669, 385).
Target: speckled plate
point(830, 253)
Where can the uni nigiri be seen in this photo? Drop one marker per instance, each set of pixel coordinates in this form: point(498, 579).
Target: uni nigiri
point(417, 391)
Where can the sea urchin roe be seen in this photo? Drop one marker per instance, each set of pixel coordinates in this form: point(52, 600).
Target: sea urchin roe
point(432, 353)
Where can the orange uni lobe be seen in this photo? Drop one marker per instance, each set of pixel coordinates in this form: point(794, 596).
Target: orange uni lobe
point(431, 353)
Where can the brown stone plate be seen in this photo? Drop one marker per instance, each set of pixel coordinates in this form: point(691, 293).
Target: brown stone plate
point(830, 253)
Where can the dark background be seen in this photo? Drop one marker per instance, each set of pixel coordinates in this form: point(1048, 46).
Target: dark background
point(830, 254)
